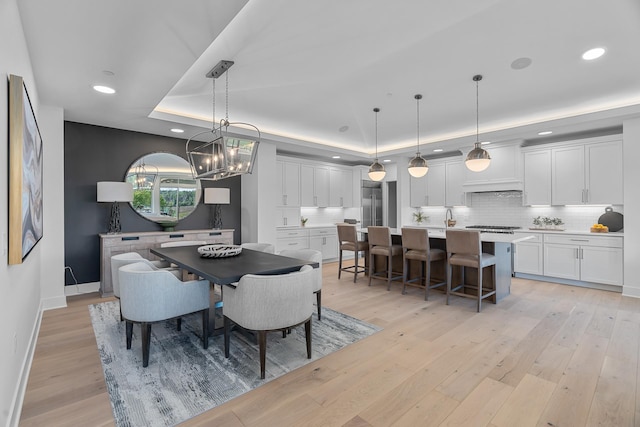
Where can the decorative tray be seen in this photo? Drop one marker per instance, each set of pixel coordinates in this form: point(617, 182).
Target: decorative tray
point(219, 251)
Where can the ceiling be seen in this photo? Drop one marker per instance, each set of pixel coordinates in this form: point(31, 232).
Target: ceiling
point(309, 73)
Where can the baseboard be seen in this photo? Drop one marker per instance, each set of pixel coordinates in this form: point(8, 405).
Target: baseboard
point(82, 288)
point(628, 291)
point(55, 302)
point(18, 397)
point(600, 286)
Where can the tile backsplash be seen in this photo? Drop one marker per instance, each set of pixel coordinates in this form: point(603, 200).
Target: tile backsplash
point(505, 208)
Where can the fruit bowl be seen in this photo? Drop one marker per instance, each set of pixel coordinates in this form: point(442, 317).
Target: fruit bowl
point(219, 251)
point(599, 228)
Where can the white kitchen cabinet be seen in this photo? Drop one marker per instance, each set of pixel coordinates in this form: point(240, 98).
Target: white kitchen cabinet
point(429, 190)
point(596, 259)
point(324, 240)
point(340, 188)
point(288, 176)
point(292, 239)
point(454, 181)
point(537, 177)
point(314, 186)
point(588, 173)
point(528, 256)
point(503, 173)
point(287, 217)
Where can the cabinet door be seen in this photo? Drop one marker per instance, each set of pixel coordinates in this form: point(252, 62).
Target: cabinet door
point(307, 191)
point(537, 178)
point(287, 217)
point(435, 185)
point(418, 191)
point(347, 189)
point(561, 261)
point(604, 173)
point(601, 265)
point(340, 188)
point(567, 176)
point(291, 184)
point(322, 186)
point(527, 258)
point(328, 245)
point(454, 178)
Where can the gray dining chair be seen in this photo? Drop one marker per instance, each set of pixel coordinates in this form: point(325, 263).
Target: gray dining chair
point(148, 296)
point(312, 256)
point(269, 303)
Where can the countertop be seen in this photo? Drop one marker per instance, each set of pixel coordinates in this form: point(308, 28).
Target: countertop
point(578, 231)
point(485, 237)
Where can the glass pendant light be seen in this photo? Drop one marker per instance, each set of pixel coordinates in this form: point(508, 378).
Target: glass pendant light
point(376, 170)
point(418, 165)
point(478, 159)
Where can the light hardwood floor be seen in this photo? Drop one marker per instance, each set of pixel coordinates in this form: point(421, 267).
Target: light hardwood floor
point(547, 355)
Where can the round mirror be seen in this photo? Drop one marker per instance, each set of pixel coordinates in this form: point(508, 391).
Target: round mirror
point(164, 191)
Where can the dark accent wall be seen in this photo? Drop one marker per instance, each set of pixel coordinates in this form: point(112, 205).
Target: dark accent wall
point(95, 153)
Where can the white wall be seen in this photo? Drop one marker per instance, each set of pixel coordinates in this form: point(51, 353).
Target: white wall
point(259, 194)
point(20, 285)
point(631, 149)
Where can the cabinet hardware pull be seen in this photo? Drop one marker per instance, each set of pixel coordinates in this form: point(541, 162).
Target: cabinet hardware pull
point(215, 233)
point(579, 240)
point(131, 238)
point(173, 236)
point(292, 244)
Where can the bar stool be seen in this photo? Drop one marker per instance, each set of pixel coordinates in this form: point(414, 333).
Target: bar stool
point(380, 244)
point(348, 238)
point(415, 246)
point(464, 249)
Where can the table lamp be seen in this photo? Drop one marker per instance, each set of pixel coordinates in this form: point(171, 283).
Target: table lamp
point(114, 192)
point(216, 197)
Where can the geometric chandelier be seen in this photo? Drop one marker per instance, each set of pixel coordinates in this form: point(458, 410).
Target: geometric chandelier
point(222, 155)
point(143, 176)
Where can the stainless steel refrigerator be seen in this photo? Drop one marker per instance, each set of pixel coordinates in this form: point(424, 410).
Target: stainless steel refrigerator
point(371, 203)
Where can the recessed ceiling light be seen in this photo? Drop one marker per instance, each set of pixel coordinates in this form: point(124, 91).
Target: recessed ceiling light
point(104, 89)
point(485, 143)
point(593, 53)
point(176, 130)
point(108, 73)
point(335, 157)
point(437, 150)
point(545, 132)
point(386, 160)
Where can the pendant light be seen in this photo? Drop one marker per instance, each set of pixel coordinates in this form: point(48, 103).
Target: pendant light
point(418, 165)
point(478, 159)
point(376, 170)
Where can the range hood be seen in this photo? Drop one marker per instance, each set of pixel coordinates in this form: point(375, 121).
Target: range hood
point(493, 186)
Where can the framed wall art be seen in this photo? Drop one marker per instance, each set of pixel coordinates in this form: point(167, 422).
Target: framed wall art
point(25, 174)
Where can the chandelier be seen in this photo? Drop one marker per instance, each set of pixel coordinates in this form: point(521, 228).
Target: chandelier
point(223, 155)
point(143, 176)
point(376, 170)
point(478, 159)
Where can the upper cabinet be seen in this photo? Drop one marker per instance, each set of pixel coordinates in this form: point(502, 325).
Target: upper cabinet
point(314, 186)
point(587, 173)
point(430, 189)
point(454, 184)
point(340, 188)
point(504, 171)
point(537, 177)
point(288, 174)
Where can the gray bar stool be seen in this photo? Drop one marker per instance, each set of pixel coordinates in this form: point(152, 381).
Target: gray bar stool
point(380, 244)
point(415, 246)
point(348, 238)
point(464, 249)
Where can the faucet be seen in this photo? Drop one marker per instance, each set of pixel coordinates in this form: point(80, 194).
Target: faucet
point(448, 218)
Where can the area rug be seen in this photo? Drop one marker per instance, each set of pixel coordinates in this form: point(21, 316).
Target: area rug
point(184, 380)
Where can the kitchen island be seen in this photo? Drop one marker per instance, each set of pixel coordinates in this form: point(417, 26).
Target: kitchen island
point(498, 244)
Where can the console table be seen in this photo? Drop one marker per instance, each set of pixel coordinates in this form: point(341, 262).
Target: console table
point(113, 244)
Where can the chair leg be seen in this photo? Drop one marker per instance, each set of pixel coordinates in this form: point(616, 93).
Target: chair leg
point(389, 272)
point(340, 264)
point(355, 269)
point(427, 279)
point(146, 342)
point(227, 333)
point(129, 326)
point(371, 269)
point(405, 274)
point(262, 344)
point(284, 333)
point(205, 328)
point(179, 324)
point(307, 335)
point(319, 303)
point(449, 273)
point(120, 305)
point(479, 288)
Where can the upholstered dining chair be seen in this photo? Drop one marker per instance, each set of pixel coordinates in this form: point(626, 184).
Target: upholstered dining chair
point(464, 249)
point(148, 296)
point(416, 247)
point(120, 260)
point(186, 275)
point(262, 247)
point(348, 241)
point(380, 244)
point(312, 256)
point(270, 303)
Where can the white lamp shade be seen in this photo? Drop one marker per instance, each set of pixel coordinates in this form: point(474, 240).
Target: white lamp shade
point(111, 191)
point(217, 196)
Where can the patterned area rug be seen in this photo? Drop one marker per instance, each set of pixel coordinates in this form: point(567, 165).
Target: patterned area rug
point(184, 380)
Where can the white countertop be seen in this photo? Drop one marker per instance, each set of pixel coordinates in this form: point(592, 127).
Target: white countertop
point(485, 237)
point(582, 232)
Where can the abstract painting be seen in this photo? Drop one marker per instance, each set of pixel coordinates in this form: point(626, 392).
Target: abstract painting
point(25, 174)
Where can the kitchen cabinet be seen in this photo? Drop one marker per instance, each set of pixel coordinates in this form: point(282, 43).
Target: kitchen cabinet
point(587, 173)
point(314, 186)
point(288, 176)
point(340, 188)
point(597, 259)
point(324, 240)
point(454, 181)
point(292, 239)
point(537, 178)
point(428, 190)
point(504, 171)
point(287, 217)
point(528, 256)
